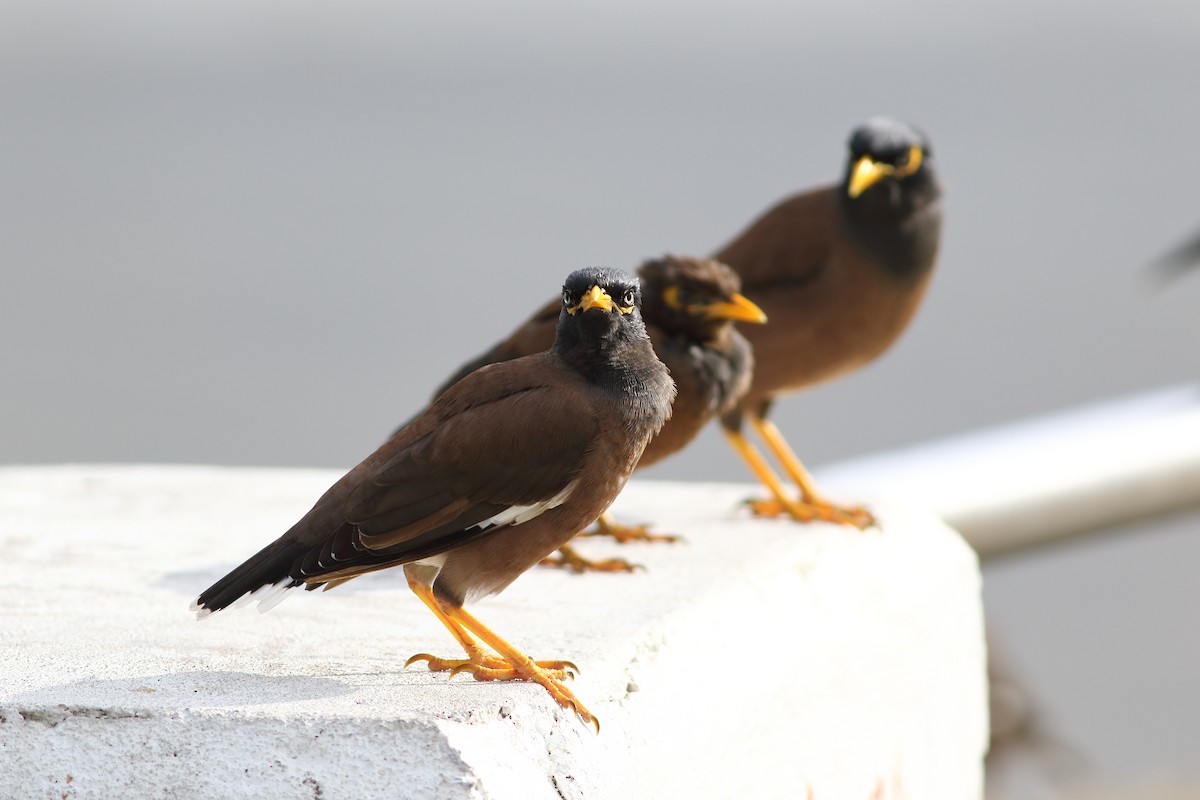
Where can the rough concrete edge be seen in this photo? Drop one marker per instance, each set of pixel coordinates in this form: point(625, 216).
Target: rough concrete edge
point(563, 756)
point(74, 752)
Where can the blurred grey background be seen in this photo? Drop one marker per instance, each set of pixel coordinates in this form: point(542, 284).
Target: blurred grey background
point(260, 233)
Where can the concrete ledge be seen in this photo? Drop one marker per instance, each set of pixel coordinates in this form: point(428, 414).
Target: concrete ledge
point(757, 659)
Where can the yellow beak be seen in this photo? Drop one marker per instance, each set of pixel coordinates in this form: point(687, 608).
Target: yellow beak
point(595, 298)
point(736, 308)
point(867, 172)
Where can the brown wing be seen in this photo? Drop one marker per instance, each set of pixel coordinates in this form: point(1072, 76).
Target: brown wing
point(502, 450)
point(788, 244)
point(509, 439)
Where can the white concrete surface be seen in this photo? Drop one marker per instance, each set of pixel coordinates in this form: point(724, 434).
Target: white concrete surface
point(758, 659)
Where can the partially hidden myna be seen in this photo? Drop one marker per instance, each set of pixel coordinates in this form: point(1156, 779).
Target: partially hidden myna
point(498, 472)
point(689, 305)
point(840, 271)
point(1180, 258)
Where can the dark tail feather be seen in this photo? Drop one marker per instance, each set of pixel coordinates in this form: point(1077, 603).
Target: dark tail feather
point(271, 566)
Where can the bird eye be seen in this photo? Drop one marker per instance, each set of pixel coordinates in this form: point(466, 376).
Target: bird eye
point(566, 298)
point(628, 299)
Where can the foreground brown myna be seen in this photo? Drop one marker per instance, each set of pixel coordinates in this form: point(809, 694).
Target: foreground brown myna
point(502, 469)
point(689, 305)
point(839, 270)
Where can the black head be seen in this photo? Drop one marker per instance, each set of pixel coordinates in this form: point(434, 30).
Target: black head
point(600, 310)
point(696, 298)
point(890, 197)
point(597, 289)
point(888, 159)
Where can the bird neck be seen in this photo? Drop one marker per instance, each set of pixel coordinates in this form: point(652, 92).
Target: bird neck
point(620, 359)
point(900, 228)
point(689, 330)
point(610, 360)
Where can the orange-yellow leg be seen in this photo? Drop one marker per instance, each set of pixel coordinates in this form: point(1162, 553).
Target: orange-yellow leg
point(569, 558)
point(762, 470)
point(624, 534)
point(476, 655)
point(513, 664)
point(781, 501)
point(847, 515)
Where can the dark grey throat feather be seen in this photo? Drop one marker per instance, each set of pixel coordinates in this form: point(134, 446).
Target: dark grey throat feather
point(614, 353)
point(901, 229)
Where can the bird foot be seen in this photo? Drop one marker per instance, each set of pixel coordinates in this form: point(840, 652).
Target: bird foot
point(624, 534)
point(569, 559)
point(547, 674)
point(802, 511)
point(496, 668)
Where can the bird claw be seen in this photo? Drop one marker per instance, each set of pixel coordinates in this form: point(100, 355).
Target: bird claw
point(569, 559)
point(581, 713)
point(482, 673)
point(863, 519)
point(548, 674)
point(769, 508)
point(586, 717)
point(624, 534)
point(457, 665)
point(422, 657)
point(467, 666)
point(487, 667)
point(802, 511)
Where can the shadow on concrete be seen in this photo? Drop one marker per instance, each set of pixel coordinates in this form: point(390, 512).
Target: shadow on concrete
point(181, 691)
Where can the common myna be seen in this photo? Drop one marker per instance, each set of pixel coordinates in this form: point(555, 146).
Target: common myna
point(839, 270)
point(689, 307)
point(499, 471)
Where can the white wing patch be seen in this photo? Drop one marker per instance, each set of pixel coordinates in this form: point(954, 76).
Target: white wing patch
point(515, 515)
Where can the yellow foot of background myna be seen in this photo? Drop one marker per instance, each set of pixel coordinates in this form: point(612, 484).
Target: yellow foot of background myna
point(855, 516)
point(568, 558)
point(624, 534)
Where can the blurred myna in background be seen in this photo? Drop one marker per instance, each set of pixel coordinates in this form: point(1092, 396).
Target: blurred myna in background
point(840, 271)
point(499, 471)
point(1180, 258)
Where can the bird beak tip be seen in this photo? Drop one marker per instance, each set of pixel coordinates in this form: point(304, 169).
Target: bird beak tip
point(866, 173)
point(738, 308)
point(596, 298)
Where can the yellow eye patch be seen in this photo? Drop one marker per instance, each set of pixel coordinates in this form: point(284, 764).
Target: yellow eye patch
point(596, 297)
